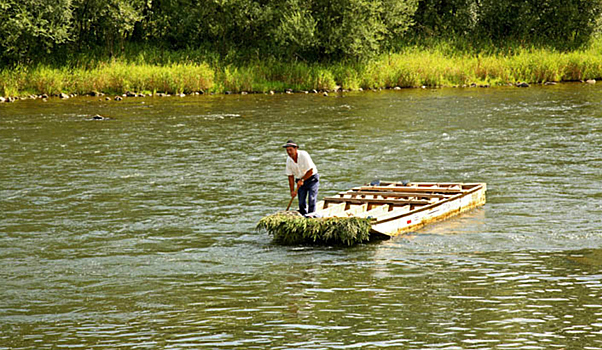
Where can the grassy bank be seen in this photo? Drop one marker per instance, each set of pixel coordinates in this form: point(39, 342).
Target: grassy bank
point(411, 67)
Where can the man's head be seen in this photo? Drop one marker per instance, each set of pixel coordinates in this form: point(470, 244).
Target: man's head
point(291, 148)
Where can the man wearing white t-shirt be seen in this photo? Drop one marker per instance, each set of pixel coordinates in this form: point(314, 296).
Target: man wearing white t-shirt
point(302, 171)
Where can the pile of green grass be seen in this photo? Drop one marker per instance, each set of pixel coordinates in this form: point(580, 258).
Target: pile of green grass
point(290, 229)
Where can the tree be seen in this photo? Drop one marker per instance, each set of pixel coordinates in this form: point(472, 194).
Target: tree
point(297, 32)
point(448, 18)
point(107, 23)
point(557, 23)
point(360, 28)
point(31, 28)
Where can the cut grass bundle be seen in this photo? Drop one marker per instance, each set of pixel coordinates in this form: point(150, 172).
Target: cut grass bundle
point(289, 228)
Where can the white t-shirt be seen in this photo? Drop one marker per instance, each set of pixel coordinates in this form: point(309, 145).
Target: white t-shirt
point(299, 169)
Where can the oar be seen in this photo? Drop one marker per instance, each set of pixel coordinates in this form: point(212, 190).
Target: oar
point(289, 203)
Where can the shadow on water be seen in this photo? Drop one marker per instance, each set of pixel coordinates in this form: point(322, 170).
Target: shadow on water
point(138, 231)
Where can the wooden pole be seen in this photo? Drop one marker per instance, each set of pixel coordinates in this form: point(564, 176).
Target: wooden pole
point(289, 203)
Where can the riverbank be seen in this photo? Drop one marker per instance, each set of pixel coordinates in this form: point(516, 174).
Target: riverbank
point(413, 67)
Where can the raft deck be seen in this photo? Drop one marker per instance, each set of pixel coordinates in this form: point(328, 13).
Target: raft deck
point(397, 208)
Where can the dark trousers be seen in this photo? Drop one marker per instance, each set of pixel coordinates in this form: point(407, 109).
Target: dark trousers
point(309, 189)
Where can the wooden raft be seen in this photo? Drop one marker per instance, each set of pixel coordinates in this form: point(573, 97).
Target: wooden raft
point(396, 208)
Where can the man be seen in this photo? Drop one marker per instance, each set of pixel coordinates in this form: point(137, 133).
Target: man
point(302, 171)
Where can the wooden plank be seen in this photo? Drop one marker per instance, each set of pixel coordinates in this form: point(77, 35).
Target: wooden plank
point(425, 207)
point(386, 183)
point(398, 211)
point(464, 186)
point(396, 194)
point(374, 212)
point(411, 189)
point(420, 186)
point(356, 209)
point(477, 188)
point(391, 225)
point(376, 201)
point(319, 205)
point(332, 210)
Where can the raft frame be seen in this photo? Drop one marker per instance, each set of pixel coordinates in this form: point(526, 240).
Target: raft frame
point(397, 208)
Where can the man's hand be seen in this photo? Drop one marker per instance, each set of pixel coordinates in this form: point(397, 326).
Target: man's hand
point(300, 183)
point(293, 194)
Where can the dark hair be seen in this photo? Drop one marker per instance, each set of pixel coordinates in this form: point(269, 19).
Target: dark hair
point(290, 143)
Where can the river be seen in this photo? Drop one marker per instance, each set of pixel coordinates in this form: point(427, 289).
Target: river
point(137, 232)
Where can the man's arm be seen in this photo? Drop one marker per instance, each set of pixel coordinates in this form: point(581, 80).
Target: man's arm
point(307, 175)
point(291, 185)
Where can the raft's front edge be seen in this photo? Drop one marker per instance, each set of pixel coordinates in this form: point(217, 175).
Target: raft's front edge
point(414, 221)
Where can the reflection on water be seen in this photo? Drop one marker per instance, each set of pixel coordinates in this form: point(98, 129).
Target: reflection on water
point(138, 232)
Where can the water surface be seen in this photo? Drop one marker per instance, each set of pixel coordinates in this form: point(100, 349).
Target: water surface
point(138, 232)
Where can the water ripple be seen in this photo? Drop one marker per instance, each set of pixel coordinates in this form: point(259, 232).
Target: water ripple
point(139, 233)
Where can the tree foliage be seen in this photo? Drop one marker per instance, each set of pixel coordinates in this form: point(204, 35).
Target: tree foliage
point(309, 30)
point(106, 23)
point(29, 27)
point(562, 24)
point(445, 17)
point(359, 28)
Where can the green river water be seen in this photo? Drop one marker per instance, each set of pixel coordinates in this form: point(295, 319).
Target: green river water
point(138, 232)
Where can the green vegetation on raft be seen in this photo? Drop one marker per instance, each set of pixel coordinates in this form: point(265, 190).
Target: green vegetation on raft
point(436, 66)
point(290, 229)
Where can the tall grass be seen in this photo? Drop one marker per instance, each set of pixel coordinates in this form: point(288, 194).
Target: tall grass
point(182, 72)
point(110, 77)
